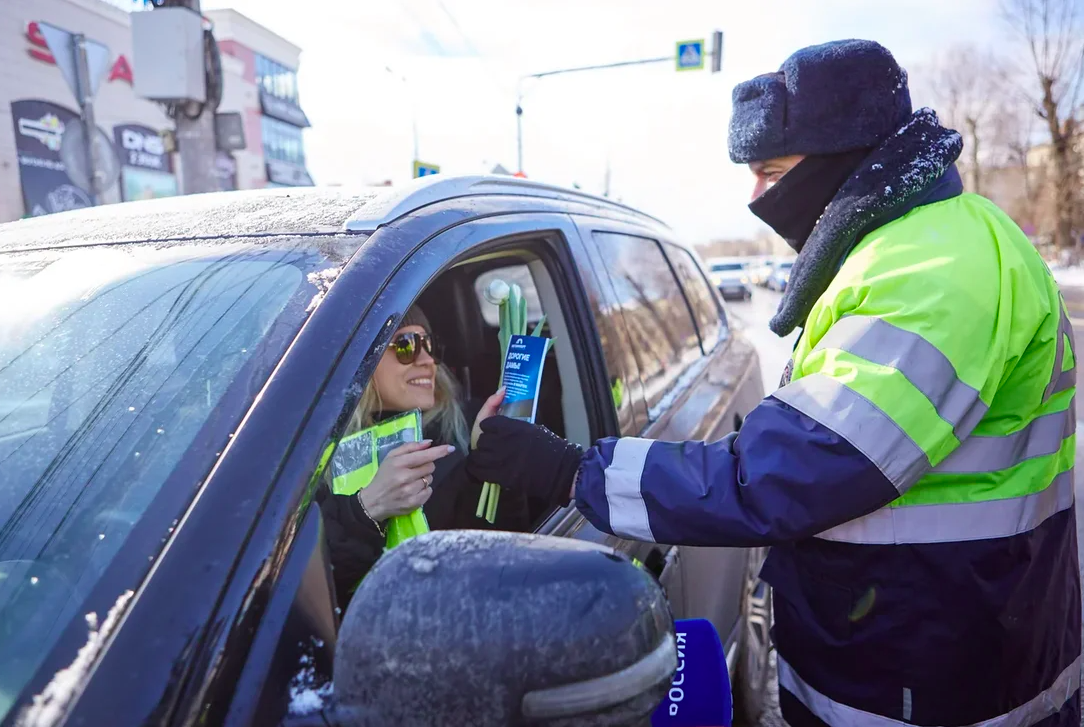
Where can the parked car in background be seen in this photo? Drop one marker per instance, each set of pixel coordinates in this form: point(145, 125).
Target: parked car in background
point(780, 275)
point(767, 267)
point(758, 269)
point(177, 372)
point(731, 278)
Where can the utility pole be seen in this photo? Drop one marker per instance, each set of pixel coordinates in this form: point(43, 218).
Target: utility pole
point(196, 146)
point(545, 74)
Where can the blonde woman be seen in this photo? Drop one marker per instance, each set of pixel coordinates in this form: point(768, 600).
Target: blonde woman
point(430, 474)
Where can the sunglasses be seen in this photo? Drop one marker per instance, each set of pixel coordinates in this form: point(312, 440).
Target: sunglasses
point(407, 345)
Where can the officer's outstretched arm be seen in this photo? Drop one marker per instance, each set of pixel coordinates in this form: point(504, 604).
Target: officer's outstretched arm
point(896, 366)
point(785, 477)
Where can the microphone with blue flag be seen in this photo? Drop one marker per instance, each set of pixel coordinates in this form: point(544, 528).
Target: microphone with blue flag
point(699, 694)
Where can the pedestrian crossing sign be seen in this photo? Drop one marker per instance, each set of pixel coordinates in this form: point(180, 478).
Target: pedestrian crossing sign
point(690, 55)
point(422, 169)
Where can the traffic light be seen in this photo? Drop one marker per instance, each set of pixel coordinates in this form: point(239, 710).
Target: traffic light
point(717, 51)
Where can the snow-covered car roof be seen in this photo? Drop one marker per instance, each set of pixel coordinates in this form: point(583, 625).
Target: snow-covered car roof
point(301, 210)
point(295, 210)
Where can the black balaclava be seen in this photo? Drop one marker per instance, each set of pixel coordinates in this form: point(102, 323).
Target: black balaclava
point(794, 204)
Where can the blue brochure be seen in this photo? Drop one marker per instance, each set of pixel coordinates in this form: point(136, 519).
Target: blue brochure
point(523, 376)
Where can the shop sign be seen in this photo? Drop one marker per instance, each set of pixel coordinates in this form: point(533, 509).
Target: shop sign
point(288, 175)
point(39, 130)
point(282, 110)
point(141, 146)
point(225, 171)
point(138, 183)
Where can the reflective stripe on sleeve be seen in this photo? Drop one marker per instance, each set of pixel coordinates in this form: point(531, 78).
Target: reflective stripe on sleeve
point(1059, 354)
point(1042, 436)
point(920, 362)
point(945, 523)
point(1062, 380)
point(1045, 704)
point(1065, 381)
point(628, 513)
point(860, 422)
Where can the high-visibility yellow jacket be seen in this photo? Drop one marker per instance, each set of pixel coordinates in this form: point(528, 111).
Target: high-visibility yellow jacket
point(915, 477)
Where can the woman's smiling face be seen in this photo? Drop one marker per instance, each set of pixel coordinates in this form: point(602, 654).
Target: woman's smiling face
point(403, 387)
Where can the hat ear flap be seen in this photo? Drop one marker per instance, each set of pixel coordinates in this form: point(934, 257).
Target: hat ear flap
point(758, 120)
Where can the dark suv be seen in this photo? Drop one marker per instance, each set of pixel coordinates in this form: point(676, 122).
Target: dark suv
point(173, 372)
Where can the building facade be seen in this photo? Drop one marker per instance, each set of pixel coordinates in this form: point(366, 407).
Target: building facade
point(262, 86)
point(42, 150)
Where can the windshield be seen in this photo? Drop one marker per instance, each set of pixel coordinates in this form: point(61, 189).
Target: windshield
point(726, 267)
point(112, 361)
point(785, 266)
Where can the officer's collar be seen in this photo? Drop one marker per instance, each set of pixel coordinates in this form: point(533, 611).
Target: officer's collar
point(908, 169)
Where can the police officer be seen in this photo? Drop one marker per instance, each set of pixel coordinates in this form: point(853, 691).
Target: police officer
point(914, 472)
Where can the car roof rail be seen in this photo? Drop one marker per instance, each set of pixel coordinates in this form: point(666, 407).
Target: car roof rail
point(434, 188)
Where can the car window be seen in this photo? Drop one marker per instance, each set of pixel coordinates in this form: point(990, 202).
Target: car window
point(622, 368)
point(698, 292)
point(660, 326)
point(112, 362)
point(725, 267)
point(519, 274)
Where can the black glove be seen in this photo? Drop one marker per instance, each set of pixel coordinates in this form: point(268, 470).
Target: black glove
point(530, 459)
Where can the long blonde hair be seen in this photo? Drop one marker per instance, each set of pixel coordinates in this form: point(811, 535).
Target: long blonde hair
point(446, 413)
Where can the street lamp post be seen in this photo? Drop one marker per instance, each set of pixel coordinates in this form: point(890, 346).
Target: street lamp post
point(579, 69)
point(716, 65)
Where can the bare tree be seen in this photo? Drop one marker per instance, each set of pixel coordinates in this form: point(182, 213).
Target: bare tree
point(1012, 139)
point(1012, 132)
point(967, 85)
point(1052, 34)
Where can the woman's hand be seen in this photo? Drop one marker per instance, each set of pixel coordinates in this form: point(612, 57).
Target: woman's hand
point(489, 409)
point(401, 484)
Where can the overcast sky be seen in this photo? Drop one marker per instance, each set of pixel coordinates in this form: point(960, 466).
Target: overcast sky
point(663, 132)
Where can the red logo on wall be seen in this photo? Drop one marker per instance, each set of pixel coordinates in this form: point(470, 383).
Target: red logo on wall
point(121, 71)
point(39, 51)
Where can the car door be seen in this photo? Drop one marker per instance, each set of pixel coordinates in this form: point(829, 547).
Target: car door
point(212, 369)
point(694, 377)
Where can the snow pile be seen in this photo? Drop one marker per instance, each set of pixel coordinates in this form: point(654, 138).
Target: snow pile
point(321, 280)
point(306, 694)
point(50, 707)
point(1069, 277)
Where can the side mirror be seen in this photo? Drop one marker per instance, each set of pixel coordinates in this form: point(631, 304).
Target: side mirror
point(486, 628)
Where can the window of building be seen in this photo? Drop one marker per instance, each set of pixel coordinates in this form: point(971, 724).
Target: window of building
point(282, 141)
point(660, 327)
point(698, 291)
point(276, 79)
